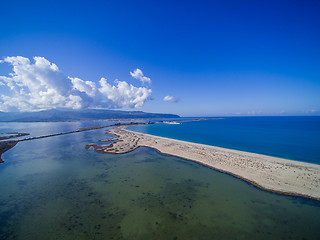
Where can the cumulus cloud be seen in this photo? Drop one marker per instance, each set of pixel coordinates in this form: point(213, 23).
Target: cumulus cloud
point(40, 85)
point(170, 99)
point(36, 86)
point(138, 74)
point(124, 94)
point(86, 87)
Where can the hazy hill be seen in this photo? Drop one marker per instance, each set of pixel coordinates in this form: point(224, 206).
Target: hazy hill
point(72, 115)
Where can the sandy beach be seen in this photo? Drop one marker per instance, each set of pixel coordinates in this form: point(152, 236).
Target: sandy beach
point(266, 172)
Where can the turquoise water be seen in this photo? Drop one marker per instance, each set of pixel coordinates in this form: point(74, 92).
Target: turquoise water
point(296, 138)
point(53, 188)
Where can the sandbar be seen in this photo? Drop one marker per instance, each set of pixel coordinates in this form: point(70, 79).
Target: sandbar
point(266, 172)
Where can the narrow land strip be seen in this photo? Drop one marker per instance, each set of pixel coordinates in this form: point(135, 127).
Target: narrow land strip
point(6, 145)
point(269, 173)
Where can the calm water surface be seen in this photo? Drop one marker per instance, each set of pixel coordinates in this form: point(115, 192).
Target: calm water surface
point(55, 189)
point(296, 138)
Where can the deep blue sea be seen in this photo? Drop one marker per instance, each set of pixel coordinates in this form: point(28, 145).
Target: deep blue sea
point(296, 138)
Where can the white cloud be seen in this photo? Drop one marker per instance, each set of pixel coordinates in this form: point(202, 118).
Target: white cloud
point(170, 99)
point(87, 87)
point(124, 94)
point(36, 86)
point(138, 74)
point(41, 85)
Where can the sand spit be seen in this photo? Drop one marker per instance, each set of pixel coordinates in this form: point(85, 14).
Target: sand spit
point(13, 135)
point(269, 173)
point(4, 145)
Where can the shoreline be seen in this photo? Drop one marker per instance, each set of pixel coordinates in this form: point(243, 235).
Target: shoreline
point(6, 145)
point(272, 174)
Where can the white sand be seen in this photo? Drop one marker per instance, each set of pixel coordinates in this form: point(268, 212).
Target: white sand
point(270, 173)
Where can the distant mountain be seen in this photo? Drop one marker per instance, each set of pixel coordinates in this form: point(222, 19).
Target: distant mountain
point(74, 115)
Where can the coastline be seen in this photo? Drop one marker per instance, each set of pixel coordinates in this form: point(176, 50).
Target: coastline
point(4, 145)
point(268, 173)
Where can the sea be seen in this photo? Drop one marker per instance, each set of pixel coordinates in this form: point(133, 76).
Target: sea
point(53, 188)
point(295, 138)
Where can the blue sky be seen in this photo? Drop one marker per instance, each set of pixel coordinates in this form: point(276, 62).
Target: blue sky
point(214, 58)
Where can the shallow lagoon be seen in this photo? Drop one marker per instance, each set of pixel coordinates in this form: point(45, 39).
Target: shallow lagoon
point(55, 189)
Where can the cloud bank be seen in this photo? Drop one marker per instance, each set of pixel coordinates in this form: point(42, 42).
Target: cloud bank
point(170, 99)
point(40, 85)
point(138, 74)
